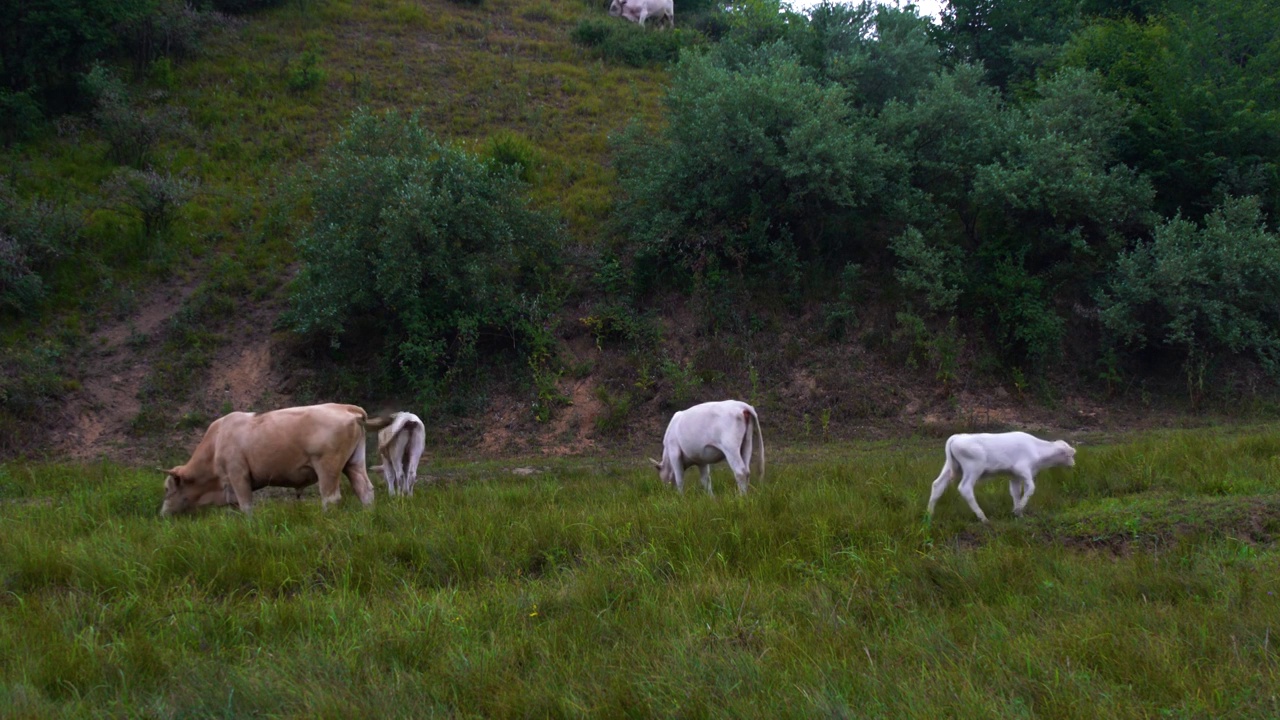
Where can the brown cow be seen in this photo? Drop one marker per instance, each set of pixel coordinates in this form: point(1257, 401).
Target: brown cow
point(292, 447)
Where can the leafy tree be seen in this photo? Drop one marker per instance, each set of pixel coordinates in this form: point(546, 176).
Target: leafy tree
point(46, 44)
point(1198, 292)
point(422, 251)
point(760, 160)
point(879, 53)
point(1030, 199)
point(1203, 78)
point(1009, 38)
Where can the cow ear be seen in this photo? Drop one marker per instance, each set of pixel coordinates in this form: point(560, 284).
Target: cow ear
point(172, 474)
point(655, 463)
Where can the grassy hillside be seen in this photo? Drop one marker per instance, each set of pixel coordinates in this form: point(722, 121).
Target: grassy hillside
point(1142, 584)
point(141, 323)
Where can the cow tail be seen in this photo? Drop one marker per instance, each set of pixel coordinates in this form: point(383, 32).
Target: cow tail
point(379, 422)
point(951, 464)
point(755, 420)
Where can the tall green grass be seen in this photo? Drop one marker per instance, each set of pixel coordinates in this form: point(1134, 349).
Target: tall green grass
point(591, 589)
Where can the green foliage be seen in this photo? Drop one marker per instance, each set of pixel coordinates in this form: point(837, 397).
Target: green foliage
point(32, 383)
point(154, 198)
point(937, 351)
point(305, 74)
point(842, 313)
point(1202, 77)
point(515, 152)
point(1010, 39)
point(683, 380)
point(879, 53)
point(1199, 292)
point(131, 129)
point(793, 165)
point(627, 43)
point(934, 271)
point(423, 251)
point(48, 44)
point(34, 235)
point(1023, 207)
point(168, 29)
point(20, 115)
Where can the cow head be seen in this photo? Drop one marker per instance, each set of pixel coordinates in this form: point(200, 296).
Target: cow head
point(616, 7)
point(1067, 453)
point(183, 493)
point(664, 470)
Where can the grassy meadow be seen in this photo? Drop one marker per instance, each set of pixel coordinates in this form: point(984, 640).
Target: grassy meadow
point(1143, 584)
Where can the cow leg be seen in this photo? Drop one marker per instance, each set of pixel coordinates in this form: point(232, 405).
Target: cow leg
point(966, 490)
point(940, 486)
point(1015, 490)
point(243, 489)
point(1028, 483)
point(677, 472)
point(327, 479)
point(705, 477)
point(741, 471)
point(357, 476)
point(389, 470)
point(395, 458)
point(417, 444)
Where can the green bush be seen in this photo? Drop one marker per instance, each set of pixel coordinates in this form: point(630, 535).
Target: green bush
point(171, 29)
point(424, 252)
point(34, 235)
point(627, 43)
point(20, 115)
point(760, 168)
point(132, 131)
point(306, 74)
point(1199, 292)
point(153, 197)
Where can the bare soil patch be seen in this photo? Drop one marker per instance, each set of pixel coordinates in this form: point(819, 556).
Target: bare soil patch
point(114, 365)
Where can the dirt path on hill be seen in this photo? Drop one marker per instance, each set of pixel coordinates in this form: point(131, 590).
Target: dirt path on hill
point(114, 365)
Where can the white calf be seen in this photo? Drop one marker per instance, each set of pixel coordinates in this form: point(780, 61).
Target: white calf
point(706, 434)
point(400, 445)
point(1016, 453)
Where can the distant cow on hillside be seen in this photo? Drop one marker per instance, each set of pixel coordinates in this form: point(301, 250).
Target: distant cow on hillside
point(292, 447)
point(1016, 453)
point(637, 11)
point(400, 446)
point(706, 434)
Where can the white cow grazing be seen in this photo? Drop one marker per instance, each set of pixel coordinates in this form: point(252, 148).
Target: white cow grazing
point(638, 10)
point(1016, 453)
point(706, 434)
point(400, 445)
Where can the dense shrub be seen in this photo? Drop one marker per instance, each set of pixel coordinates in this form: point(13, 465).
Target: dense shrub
point(130, 129)
point(627, 43)
point(760, 168)
point(152, 196)
point(1021, 208)
point(34, 234)
point(424, 252)
point(878, 53)
point(20, 115)
point(1202, 80)
point(172, 29)
point(45, 45)
point(1199, 292)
